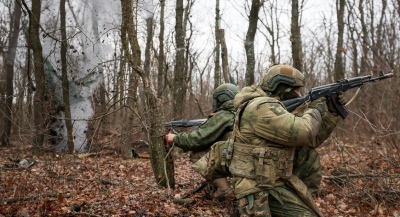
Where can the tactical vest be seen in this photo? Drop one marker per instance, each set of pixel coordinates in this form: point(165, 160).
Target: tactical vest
point(266, 164)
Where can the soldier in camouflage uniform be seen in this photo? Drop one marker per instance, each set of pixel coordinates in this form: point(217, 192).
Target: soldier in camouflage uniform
point(217, 128)
point(262, 148)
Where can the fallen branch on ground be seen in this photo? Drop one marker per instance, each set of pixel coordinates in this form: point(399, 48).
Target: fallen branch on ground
point(13, 200)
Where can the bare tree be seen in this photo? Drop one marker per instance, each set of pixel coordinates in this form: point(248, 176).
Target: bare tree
point(39, 96)
point(249, 41)
point(339, 67)
point(163, 170)
point(352, 32)
point(65, 82)
point(101, 92)
point(224, 56)
point(365, 43)
point(179, 76)
point(295, 38)
point(10, 57)
point(271, 24)
point(161, 57)
point(217, 69)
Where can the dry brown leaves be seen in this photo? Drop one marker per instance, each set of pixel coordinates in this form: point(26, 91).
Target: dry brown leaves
point(104, 184)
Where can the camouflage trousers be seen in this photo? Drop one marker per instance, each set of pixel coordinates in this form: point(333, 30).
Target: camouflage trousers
point(307, 166)
point(211, 165)
point(280, 201)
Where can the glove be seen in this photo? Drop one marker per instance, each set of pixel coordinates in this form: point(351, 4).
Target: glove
point(341, 100)
point(319, 104)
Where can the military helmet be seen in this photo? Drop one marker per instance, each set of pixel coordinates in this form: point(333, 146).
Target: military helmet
point(225, 92)
point(282, 74)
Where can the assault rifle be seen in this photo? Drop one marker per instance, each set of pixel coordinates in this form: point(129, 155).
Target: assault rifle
point(330, 91)
point(185, 123)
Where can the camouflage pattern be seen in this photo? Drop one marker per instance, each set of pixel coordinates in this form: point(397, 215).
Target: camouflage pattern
point(282, 74)
point(280, 201)
point(213, 130)
point(255, 205)
point(284, 202)
point(265, 122)
point(212, 165)
point(307, 165)
point(225, 92)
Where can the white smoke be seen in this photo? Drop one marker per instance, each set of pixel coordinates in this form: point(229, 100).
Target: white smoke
point(87, 50)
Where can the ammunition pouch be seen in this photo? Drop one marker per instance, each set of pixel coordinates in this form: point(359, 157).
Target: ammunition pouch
point(212, 165)
point(263, 164)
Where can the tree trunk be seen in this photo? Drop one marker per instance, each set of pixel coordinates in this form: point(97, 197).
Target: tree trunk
point(153, 106)
point(100, 107)
point(249, 43)
point(39, 96)
point(65, 82)
point(224, 55)
point(270, 13)
point(129, 40)
point(179, 62)
point(161, 59)
point(9, 92)
point(352, 31)
point(378, 45)
point(365, 39)
point(339, 67)
point(297, 54)
point(155, 116)
point(217, 68)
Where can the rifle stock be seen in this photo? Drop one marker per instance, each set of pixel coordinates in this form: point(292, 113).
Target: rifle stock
point(292, 104)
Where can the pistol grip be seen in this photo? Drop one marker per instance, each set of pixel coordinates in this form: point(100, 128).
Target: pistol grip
point(341, 109)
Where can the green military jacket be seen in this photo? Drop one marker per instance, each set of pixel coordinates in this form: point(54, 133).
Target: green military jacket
point(211, 131)
point(266, 122)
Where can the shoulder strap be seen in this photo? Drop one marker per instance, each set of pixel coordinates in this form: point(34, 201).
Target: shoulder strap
point(235, 130)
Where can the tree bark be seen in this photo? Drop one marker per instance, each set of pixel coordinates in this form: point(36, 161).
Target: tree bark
point(100, 107)
point(155, 117)
point(224, 55)
point(161, 58)
point(217, 68)
point(179, 62)
point(365, 38)
point(353, 39)
point(249, 42)
point(39, 96)
point(163, 170)
point(65, 82)
point(297, 54)
point(339, 67)
point(10, 57)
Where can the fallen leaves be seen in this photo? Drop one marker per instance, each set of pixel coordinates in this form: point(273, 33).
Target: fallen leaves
point(106, 184)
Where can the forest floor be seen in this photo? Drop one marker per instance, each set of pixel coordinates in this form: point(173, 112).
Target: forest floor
point(357, 182)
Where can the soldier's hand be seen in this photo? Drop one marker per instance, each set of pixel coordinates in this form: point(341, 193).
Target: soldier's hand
point(341, 100)
point(169, 138)
point(319, 104)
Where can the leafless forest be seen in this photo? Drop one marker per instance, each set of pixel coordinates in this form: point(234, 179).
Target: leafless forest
point(84, 81)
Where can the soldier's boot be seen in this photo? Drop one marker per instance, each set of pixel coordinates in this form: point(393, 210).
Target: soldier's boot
point(224, 190)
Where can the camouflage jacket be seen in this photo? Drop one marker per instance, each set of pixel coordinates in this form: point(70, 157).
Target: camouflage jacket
point(265, 121)
point(214, 129)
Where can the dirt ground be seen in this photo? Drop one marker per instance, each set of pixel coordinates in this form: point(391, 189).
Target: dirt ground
point(357, 182)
